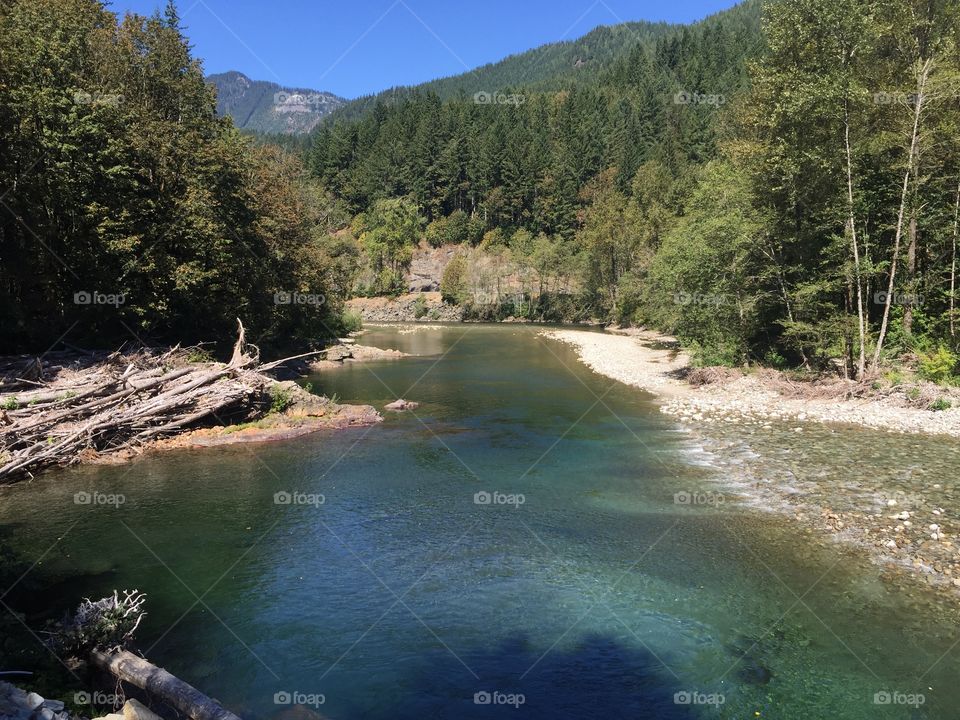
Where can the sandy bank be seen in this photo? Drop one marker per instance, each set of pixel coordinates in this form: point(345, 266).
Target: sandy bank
point(644, 359)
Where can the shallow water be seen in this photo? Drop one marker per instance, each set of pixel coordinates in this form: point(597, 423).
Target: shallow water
point(629, 580)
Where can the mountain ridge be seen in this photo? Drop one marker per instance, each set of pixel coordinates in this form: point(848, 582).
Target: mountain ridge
point(267, 107)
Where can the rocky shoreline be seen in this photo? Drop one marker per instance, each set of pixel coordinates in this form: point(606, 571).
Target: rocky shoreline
point(758, 436)
point(652, 362)
point(413, 307)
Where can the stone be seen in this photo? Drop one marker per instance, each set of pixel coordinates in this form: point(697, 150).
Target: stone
point(55, 705)
point(401, 405)
point(34, 701)
point(136, 710)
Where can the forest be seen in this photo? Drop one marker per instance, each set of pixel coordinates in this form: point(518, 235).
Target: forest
point(776, 184)
point(130, 211)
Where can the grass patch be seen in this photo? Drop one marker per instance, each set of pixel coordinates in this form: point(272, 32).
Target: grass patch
point(941, 404)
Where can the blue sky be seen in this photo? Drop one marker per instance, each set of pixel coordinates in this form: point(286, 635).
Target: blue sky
point(357, 47)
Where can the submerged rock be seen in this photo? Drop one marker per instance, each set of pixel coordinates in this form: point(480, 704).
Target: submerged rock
point(401, 404)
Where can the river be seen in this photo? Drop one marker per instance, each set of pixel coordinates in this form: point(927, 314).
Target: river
point(535, 541)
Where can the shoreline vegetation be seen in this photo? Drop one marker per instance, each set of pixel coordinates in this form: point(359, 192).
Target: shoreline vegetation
point(911, 536)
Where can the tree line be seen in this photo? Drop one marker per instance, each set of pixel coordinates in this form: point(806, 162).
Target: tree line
point(130, 211)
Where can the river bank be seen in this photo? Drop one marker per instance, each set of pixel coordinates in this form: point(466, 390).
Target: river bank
point(764, 435)
point(652, 361)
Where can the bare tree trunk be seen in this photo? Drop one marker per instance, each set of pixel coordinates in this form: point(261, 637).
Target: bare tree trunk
point(953, 266)
point(852, 229)
point(911, 275)
point(912, 158)
point(179, 695)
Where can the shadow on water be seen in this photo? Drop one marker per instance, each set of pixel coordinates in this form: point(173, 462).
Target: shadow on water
point(598, 677)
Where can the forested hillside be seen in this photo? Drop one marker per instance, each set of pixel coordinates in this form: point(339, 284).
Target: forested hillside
point(785, 193)
point(478, 170)
point(130, 210)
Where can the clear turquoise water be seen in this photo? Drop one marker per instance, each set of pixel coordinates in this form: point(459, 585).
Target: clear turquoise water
point(400, 597)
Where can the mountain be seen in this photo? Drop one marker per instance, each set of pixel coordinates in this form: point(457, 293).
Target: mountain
point(266, 107)
point(559, 65)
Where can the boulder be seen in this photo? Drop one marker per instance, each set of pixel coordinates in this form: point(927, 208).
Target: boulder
point(401, 404)
point(136, 710)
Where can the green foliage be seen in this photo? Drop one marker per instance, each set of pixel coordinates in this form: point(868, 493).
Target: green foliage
point(453, 284)
point(10, 403)
point(351, 322)
point(703, 281)
point(774, 359)
point(388, 233)
point(939, 366)
point(199, 355)
point(419, 307)
point(717, 352)
point(941, 404)
point(137, 192)
point(280, 399)
point(894, 377)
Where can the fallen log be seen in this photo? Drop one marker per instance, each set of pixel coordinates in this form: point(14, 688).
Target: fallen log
point(123, 401)
point(167, 688)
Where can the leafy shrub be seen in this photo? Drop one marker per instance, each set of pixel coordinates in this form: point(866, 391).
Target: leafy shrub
point(453, 283)
point(941, 404)
point(938, 366)
point(280, 399)
point(894, 377)
point(709, 354)
point(351, 322)
point(438, 232)
point(774, 359)
point(199, 355)
point(419, 307)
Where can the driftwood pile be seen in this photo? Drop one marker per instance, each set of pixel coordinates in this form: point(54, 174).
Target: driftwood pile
point(121, 401)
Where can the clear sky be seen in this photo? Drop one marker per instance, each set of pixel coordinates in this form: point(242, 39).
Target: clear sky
point(357, 47)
